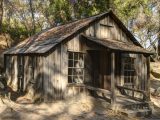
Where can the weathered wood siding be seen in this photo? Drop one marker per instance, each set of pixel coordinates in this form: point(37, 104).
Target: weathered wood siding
point(107, 28)
point(51, 70)
point(12, 71)
point(140, 80)
point(55, 73)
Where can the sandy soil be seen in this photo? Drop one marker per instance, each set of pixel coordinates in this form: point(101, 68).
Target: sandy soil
point(76, 108)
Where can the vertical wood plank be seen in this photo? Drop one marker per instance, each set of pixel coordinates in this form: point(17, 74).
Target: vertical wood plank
point(64, 68)
point(45, 78)
point(148, 78)
point(113, 96)
point(122, 70)
point(15, 80)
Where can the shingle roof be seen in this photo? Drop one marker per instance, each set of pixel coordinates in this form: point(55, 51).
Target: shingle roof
point(44, 41)
point(48, 39)
point(118, 45)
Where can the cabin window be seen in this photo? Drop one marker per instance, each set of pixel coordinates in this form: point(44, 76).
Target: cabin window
point(129, 71)
point(75, 67)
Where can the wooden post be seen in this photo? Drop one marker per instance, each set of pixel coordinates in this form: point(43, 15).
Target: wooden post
point(148, 78)
point(113, 78)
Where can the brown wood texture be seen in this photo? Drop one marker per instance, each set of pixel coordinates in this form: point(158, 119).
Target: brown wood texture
point(113, 80)
point(102, 64)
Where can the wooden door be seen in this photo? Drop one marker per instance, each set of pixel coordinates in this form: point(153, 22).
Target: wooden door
point(95, 58)
point(101, 68)
point(106, 67)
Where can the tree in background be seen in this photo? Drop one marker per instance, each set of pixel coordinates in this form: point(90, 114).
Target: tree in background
point(142, 18)
point(1, 15)
point(33, 18)
point(23, 18)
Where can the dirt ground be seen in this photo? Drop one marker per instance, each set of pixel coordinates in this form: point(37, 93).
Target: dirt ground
point(78, 108)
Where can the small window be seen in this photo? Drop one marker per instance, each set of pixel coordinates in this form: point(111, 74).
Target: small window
point(129, 71)
point(75, 67)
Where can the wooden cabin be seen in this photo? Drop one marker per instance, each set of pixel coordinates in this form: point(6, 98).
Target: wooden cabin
point(97, 54)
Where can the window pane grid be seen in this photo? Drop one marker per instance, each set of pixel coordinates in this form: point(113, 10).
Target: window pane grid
point(75, 67)
point(129, 71)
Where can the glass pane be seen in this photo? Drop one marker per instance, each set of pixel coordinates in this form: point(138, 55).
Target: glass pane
point(70, 71)
point(70, 63)
point(125, 79)
point(127, 60)
point(76, 64)
point(80, 56)
point(132, 60)
point(132, 73)
point(74, 71)
point(125, 73)
point(75, 56)
point(78, 71)
point(70, 55)
point(75, 79)
point(81, 78)
point(69, 79)
point(81, 63)
point(78, 79)
point(126, 66)
point(132, 78)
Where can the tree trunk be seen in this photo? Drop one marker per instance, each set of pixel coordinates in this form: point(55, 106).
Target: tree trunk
point(1, 15)
point(33, 19)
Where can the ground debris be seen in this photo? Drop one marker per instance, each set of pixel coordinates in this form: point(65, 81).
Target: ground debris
point(71, 109)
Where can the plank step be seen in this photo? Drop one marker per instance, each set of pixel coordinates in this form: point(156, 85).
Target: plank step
point(134, 110)
point(137, 113)
point(137, 106)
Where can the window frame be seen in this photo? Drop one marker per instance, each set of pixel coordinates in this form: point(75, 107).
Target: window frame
point(73, 67)
point(129, 71)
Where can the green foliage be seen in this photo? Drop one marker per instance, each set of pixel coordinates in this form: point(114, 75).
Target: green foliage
point(59, 11)
point(138, 15)
point(129, 9)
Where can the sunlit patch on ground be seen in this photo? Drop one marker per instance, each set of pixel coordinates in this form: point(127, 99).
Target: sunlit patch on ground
point(81, 107)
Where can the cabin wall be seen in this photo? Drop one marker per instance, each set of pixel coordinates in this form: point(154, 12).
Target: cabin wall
point(51, 71)
point(107, 28)
point(141, 71)
point(11, 71)
point(78, 45)
point(141, 80)
point(55, 74)
point(99, 76)
point(32, 75)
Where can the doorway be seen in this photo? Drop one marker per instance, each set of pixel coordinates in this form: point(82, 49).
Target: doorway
point(101, 69)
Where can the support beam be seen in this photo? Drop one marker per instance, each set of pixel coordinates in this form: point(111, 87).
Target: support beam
point(113, 96)
point(148, 79)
